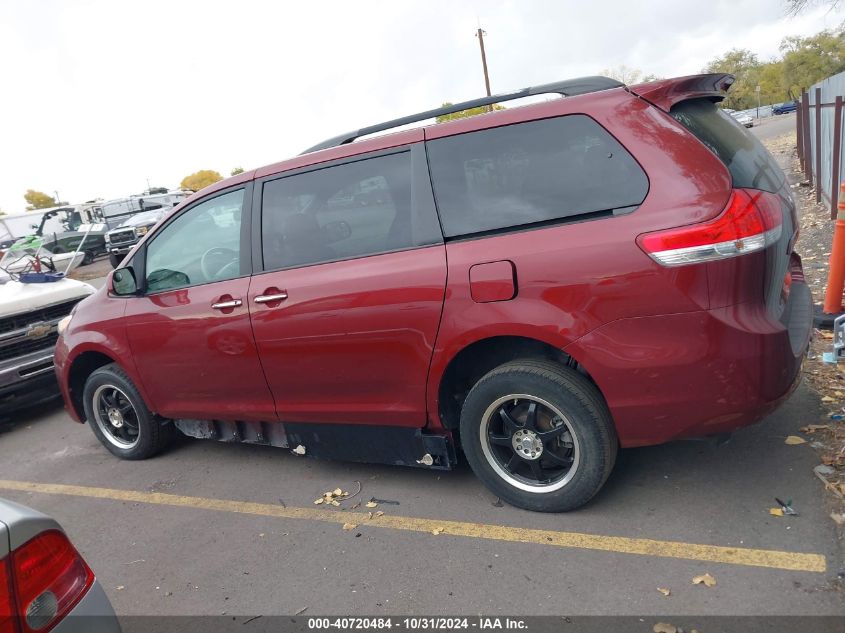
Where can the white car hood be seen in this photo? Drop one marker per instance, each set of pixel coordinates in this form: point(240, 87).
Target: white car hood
point(18, 298)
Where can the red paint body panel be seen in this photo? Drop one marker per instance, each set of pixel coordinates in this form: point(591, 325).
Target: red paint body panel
point(97, 326)
point(575, 277)
point(386, 141)
point(690, 350)
point(197, 362)
point(492, 281)
point(665, 93)
point(692, 374)
point(353, 341)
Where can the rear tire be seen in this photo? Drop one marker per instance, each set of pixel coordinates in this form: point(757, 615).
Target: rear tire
point(539, 435)
point(119, 417)
point(87, 258)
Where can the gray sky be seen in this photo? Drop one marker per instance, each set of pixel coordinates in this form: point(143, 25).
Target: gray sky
point(99, 96)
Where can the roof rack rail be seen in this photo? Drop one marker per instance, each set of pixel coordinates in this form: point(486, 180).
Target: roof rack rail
point(567, 88)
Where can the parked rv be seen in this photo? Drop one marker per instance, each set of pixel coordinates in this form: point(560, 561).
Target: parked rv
point(116, 212)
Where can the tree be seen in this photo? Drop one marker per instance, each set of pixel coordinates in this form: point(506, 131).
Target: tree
point(236, 171)
point(744, 65)
point(39, 200)
point(628, 76)
point(201, 179)
point(808, 60)
point(794, 7)
point(462, 114)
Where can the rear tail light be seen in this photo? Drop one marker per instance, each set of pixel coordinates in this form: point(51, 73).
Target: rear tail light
point(48, 578)
point(7, 611)
point(751, 221)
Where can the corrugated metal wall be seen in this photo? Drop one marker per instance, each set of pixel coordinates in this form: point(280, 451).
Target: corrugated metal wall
point(830, 88)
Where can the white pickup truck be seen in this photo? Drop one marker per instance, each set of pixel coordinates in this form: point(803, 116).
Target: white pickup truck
point(29, 314)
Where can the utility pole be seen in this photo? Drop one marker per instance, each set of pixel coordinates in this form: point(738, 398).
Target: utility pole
point(480, 35)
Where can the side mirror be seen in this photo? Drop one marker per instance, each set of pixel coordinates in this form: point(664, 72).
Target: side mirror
point(123, 281)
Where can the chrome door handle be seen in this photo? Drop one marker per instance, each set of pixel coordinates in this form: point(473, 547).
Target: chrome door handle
point(223, 305)
point(281, 296)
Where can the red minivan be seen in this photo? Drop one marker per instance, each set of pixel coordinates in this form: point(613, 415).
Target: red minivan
point(531, 288)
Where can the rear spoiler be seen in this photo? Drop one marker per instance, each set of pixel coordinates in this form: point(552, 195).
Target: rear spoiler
point(665, 93)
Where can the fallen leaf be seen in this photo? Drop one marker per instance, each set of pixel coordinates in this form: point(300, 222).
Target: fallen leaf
point(792, 440)
point(828, 399)
point(335, 503)
point(437, 530)
point(665, 591)
point(120, 587)
point(318, 501)
point(349, 526)
point(777, 512)
point(337, 492)
point(372, 504)
point(839, 518)
point(705, 579)
point(663, 627)
point(379, 513)
point(812, 428)
point(369, 515)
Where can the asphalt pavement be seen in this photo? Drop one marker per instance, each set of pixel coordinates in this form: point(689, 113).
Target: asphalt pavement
point(774, 126)
point(210, 528)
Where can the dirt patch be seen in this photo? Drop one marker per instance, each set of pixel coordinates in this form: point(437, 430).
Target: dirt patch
point(99, 268)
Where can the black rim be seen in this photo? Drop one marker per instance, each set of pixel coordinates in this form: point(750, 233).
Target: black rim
point(116, 416)
point(529, 443)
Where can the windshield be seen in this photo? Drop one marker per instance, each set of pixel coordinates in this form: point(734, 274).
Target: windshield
point(61, 221)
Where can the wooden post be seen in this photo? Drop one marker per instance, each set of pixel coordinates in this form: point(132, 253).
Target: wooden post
point(837, 149)
point(799, 135)
point(808, 150)
point(818, 179)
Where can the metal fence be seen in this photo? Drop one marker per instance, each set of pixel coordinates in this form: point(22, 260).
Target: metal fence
point(819, 134)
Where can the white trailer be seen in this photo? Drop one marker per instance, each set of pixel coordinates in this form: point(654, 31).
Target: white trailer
point(117, 211)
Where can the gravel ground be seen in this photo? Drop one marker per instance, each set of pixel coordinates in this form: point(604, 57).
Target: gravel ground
point(827, 435)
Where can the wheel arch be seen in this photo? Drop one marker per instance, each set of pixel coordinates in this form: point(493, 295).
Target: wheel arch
point(82, 366)
point(476, 359)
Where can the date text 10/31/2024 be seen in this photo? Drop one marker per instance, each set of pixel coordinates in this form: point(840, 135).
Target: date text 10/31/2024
point(417, 623)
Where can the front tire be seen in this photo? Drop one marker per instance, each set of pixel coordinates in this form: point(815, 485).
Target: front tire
point(539, 435)
point(115, 260)
point(119, 417)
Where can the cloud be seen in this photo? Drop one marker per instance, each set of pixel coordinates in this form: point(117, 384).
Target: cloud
point(100, 96)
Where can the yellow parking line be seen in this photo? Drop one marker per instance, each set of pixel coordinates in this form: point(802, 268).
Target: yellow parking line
point(792, 561)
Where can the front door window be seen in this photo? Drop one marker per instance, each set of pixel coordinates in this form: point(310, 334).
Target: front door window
point(200, 246)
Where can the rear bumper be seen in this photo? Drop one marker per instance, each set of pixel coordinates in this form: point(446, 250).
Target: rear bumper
point(697, 373)
point(93, 614)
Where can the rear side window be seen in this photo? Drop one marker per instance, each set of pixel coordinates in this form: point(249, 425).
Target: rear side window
point(529, 173)
point(750, 164)
point(350, 210)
